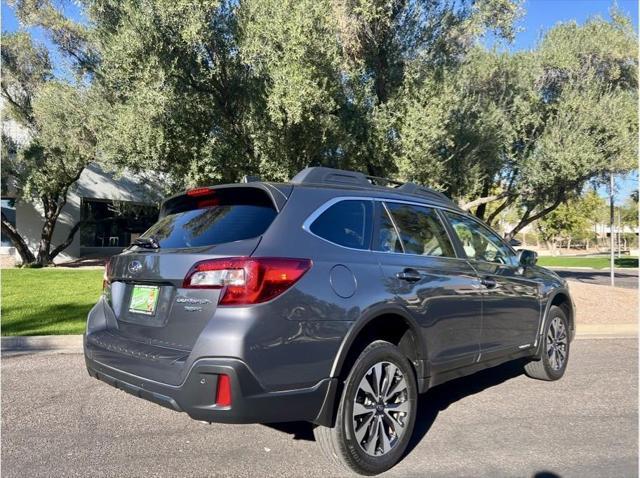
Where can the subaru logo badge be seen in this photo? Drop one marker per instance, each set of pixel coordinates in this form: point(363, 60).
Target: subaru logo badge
point(135, 267)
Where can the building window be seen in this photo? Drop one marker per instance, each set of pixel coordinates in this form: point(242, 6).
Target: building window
point(114, 223)
point(9, 211)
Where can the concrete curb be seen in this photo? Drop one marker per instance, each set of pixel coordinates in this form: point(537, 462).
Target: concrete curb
point(591, 331)
point(39, 343)
point(73, 343)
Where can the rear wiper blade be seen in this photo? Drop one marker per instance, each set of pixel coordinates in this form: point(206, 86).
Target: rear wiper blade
point(149, 242)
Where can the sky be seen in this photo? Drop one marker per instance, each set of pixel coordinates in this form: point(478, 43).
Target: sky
point(540, 15)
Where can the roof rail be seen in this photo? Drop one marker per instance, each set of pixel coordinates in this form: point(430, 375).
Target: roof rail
point(323, 175)
point(417, 189)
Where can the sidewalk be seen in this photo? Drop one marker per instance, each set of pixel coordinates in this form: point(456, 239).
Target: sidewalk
point(603, 305)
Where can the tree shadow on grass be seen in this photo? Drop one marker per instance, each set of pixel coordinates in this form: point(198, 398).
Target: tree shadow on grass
point(626, 262)
point(53, 319)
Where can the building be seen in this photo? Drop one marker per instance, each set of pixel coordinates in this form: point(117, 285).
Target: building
point(113, 210)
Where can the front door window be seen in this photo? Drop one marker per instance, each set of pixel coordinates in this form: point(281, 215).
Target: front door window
point(415, 230)
point(479, 242)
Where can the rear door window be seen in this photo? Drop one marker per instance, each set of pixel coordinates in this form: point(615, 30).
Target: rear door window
point(419, 229)
point(222, 215)
point(346, 223)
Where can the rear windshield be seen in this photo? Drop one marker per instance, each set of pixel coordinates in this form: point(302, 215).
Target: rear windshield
point(223, 215)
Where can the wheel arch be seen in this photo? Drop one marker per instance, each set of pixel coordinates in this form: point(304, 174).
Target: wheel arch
point(391, 323)
point(388, 323)
point(561, 298)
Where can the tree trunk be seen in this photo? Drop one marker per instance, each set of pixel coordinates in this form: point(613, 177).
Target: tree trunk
point(550, 246)
point(528, 219)
point(44, 247)
point(481, 210)
point(52, 209)
point(483, 200)
point(62, 246)
point(18, 242)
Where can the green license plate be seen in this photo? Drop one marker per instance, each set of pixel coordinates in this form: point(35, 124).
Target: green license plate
point(144, 299)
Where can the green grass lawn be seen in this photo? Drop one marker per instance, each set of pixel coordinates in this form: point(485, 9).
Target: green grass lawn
point(48, 301)
point(600, 262)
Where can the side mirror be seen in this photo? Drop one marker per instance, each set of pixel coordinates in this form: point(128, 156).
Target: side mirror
point(527, 258)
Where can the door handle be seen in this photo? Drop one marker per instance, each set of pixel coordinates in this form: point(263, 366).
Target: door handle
point(410, 275)
point(488, 282)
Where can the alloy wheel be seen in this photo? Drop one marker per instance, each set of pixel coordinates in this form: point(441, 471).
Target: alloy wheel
point(557, 341)
point(381, 409)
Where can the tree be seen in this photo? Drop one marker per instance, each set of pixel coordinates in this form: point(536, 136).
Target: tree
point(210, 91)
point(535, 127)
point(215, 90)
point(57, 118)
point(628, 213)
point(629, 210)
point(573, 219)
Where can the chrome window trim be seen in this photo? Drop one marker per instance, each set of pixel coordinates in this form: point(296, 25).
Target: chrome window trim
point(306, 225)
point(395, 228)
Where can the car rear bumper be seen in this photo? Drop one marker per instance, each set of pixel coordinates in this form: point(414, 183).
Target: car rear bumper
point(196, 396)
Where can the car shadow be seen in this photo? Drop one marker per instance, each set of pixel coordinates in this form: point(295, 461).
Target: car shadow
point(439, 398)
point(298, 430)
point(431, 403)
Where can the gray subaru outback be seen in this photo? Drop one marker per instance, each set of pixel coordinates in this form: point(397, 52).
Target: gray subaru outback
point(335, 299)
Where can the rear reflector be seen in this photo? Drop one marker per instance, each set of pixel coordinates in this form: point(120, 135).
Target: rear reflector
point(223, 393)
point(246, 280)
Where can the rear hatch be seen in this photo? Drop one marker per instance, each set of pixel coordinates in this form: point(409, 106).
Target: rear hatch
point(156, 319)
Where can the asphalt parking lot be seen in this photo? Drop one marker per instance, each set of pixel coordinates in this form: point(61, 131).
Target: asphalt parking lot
point(624, 279)
point(57, 421)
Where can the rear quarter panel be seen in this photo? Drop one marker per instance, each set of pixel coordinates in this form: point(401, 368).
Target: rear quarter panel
point(304, 328)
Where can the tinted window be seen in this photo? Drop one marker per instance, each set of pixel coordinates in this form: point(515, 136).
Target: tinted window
point(421, 231)
point(222, 216)
point(114, 223)
point(480, 243)
point(347, 223)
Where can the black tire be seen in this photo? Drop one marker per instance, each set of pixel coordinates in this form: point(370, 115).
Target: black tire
point(546, 367)
point(340, 444)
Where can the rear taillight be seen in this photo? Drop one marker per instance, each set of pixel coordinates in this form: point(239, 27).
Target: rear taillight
point(246, 280)
point(223, 391)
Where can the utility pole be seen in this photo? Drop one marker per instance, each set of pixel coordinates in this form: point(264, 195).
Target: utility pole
point(611, 221)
